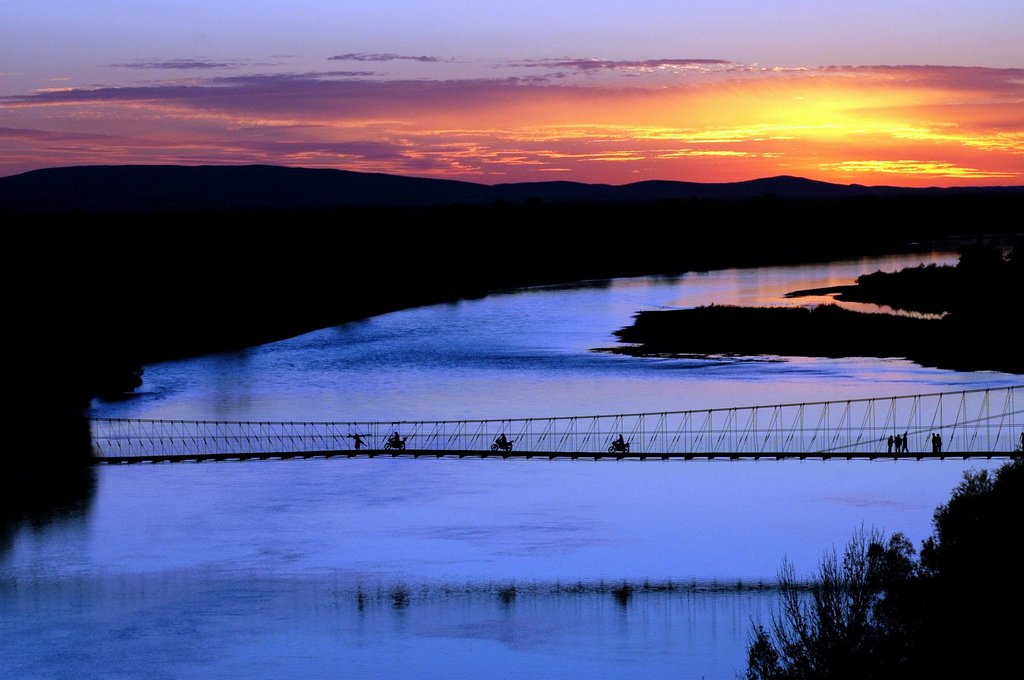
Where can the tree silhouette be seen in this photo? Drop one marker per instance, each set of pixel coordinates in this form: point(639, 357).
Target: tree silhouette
point(835, 627)
point(879, 613)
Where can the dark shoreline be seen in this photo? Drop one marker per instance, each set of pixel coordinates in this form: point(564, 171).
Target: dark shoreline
point(826, 331)
point(969, 304)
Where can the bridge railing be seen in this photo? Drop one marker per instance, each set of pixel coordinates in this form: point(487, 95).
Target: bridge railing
point(968, 422)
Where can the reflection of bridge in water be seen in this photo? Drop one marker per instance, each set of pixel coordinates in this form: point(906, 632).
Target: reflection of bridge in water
point(973, 423)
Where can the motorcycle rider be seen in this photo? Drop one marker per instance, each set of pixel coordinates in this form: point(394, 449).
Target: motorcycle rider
point(501, 441)
point(619, 443)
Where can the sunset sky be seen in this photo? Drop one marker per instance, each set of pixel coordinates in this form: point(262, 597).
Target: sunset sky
point(909, 93)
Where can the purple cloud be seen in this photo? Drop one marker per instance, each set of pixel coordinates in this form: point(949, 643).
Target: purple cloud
point(382, 56)
point(308, 75)
point(182, 64)
point(36, 135)
point(333, 94)
point(366, 150)
point(952, 77)
point(86, 148)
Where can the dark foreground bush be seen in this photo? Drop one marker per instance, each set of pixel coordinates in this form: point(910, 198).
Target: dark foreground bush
point(877, 612)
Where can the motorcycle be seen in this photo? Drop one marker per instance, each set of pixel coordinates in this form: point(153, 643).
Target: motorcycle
point(617, 447)
point(499, 445)
point(395, 443)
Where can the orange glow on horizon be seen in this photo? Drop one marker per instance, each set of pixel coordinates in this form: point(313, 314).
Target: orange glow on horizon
point(870, 126)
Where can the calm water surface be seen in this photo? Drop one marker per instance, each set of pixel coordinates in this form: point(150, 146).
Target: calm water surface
point(529, 353)
point(392, 568)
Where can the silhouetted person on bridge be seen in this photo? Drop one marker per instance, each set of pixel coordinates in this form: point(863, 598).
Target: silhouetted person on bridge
point(357, 441)
point(890, 443)
point(619, 443)
point(906, 441)
point(898, 441)
point(938, 443)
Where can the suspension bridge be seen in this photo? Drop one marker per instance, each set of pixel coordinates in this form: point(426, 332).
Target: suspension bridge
point(976, 423)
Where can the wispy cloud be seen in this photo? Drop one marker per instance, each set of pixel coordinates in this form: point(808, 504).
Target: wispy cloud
point(307, 75)
point(383, 56)
point(243, 92)
point(49, 136)
point(183, 64)
point(593, 65)
point(337, 94)
point(972, 78)
point(915, 167)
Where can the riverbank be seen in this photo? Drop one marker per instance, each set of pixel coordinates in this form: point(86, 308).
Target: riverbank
point(977, 300)
point(983, 282)
point(826, 331)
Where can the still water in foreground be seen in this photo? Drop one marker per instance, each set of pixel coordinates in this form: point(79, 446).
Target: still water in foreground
point(175, 626)
point(395, 568)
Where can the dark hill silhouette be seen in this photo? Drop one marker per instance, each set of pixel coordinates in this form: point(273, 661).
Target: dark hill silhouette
point(163, 187)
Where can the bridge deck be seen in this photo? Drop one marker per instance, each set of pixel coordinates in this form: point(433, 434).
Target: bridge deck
point(545, 455)
point(978, 423)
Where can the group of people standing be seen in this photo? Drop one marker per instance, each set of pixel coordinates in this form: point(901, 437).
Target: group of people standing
point(900, 443)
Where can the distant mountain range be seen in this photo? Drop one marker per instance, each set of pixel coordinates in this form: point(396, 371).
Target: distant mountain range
point(169, 187)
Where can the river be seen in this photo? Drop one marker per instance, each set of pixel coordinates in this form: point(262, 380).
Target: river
point(400, 568)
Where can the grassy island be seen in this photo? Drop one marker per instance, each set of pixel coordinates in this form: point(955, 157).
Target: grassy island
point(980, 300)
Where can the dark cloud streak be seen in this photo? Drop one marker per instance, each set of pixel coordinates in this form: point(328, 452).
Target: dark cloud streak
point(36, 135)
point(330, 93)
point(383, 56)
point(182, 64)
